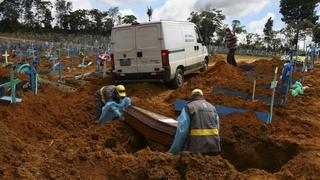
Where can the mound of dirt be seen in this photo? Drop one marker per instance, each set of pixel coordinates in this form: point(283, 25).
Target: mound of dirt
point(54, 135)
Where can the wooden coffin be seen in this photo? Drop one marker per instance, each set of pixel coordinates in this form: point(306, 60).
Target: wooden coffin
point(153, 126)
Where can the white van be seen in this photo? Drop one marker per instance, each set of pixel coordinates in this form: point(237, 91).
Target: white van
point(162, 51)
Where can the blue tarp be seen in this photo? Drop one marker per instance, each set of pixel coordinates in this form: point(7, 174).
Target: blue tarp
point(256, 75)
point(217, 89)
point(246, 67)
point(224, 111)
point(247, 96)
point(180, 104)
point(264, 117)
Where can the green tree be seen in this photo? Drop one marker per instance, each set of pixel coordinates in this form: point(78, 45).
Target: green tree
point(268, 32)
point(237, 28)
point(288, 34)
point(149, 12)
point(43, 14)
point(64, 23)
point(98, 18)
point(128, 19)
point(221, 34)
point(107, 25)
point(119, 19)
point(276, 41)
point(113, 14)
point(63, 8)
point(305, 34)
point(298, 13)
point(258, 43)
point(78, 20)
point(10, 13)
point(316, 33)
point(29, 20)
point(249, 40)
point(10, 10)
point(208, 22)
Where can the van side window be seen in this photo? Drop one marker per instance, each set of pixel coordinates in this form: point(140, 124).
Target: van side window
point(199, 38)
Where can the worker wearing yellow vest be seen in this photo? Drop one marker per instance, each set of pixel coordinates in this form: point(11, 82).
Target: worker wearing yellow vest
point(198, 127)
point(109, 93)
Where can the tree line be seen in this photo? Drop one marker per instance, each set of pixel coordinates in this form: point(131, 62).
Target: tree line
point(299, 16)
point(36, 16)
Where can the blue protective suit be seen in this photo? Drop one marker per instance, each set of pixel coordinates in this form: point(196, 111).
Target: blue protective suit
point(286, 72)
point(112, 110)
point(182, 131)
point(313, 52)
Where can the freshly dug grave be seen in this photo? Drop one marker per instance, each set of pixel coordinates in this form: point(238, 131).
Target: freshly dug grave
point(53, 135)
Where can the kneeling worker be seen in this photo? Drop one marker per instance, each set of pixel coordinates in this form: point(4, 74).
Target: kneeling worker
point(107, 94)
point(198, 127)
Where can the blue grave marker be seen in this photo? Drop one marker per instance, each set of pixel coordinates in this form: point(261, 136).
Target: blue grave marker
point(33, 74)
point(54, 58)
point(60, 67)
point(12, 85)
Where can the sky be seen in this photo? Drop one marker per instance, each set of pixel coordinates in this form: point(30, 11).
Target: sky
point(252, 13)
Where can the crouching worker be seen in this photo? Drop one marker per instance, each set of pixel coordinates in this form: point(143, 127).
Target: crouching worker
point(297, 88)
point(198, 127)
point(110, 102)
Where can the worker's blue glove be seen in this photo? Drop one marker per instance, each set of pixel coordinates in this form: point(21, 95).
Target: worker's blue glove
point(126, 102)
point(113, 110)
point(109, 112)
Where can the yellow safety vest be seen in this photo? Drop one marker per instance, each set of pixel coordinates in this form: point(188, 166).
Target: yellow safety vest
point(103, 99)
point(204, 132)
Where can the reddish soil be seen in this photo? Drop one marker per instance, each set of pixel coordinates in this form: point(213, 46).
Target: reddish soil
point(53, 135)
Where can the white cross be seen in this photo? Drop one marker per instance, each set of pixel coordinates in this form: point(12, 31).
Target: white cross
point(6, 55)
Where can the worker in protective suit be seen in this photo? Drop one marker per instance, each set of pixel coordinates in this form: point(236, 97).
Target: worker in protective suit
point(107, 94)
point(286, 73)
point(198, 127)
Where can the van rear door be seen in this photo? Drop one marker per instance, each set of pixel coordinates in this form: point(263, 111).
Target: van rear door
point(148, 46)
point(124, 50)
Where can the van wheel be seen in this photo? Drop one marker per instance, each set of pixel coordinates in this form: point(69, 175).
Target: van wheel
point(205, 65)
point(178, 80)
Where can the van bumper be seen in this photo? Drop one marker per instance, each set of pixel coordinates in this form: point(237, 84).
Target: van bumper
point(162, 76)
